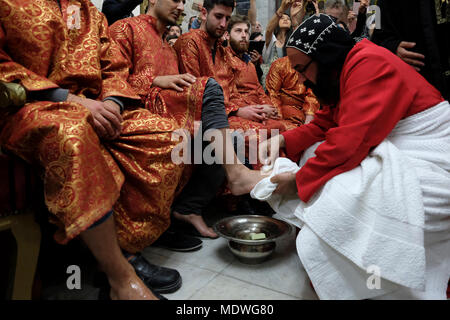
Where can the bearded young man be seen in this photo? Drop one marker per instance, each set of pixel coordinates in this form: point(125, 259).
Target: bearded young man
point(201, 54)
point(183, 97)
point(251, 96)
point(372, 194)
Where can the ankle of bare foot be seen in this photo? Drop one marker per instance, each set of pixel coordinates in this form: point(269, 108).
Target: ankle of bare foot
point(236, 175)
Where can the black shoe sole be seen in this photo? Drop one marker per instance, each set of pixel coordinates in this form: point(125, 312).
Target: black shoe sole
point(168, 289)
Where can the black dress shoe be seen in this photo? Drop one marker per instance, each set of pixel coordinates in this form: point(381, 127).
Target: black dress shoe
point(175, 240)
point(158, 279)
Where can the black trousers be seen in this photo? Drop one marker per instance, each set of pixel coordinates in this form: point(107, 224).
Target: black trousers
point(206, 179)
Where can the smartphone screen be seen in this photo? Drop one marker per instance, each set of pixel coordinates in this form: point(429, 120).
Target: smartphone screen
point(256, 45)
point(356, 6)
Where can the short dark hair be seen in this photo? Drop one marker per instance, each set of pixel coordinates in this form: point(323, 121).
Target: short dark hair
point(179, 27)
point(237, 18)
point(210, 4)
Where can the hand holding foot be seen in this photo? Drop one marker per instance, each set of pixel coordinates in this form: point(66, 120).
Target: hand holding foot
point(269, 150)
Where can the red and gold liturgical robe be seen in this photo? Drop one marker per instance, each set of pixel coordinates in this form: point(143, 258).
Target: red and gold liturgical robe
point(149, 56)
point(289, 94)
point(49, 44)
point(250, 92)
point(195, 57)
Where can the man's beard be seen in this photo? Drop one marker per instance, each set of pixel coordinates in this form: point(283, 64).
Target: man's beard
point(166, 19)
point(213, 31)
point(238, 47)
point(327, 86)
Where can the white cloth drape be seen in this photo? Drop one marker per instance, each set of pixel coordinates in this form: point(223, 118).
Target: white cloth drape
point(390, 215)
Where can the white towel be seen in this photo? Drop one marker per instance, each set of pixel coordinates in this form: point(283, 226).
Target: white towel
point(374, 215)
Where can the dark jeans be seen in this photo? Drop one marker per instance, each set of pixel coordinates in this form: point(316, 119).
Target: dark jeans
point(206, 179)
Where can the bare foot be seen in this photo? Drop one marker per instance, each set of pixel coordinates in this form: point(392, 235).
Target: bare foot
point(244, 181)
point(130, 288)
point(198, 222)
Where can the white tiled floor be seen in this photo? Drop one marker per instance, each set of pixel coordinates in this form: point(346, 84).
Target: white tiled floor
point(214, 273)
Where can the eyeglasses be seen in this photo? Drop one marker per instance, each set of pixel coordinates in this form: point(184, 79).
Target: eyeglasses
point(303, 70)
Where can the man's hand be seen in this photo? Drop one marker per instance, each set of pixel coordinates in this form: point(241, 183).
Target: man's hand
point(351, 17)
point(270, 111)
point(316, 5)
point(253, 113)
point(255, 56)
point(176, 81)
point(107, 121)
point(286, 183)
point(286, 4)
point(269, 150)
point(297, 12)
point(297, 7)
point(410, 57)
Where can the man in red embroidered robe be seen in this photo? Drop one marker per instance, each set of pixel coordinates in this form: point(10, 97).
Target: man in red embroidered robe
point(155, 76)
point(251, 94)
point(297, 103)
point(106, 163)
point(200, 52)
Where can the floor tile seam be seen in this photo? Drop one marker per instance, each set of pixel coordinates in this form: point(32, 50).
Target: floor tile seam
point(261, 286)
point(196, 265)
point(208, 282)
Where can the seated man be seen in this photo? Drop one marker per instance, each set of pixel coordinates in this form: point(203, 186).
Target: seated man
point(106, 163)
point(251, 95)
point(182, 97)
point(296, 103)
point(372, 199)
point(201, 53)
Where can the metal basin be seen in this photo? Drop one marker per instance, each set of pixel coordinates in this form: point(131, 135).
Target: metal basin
point(238, 231)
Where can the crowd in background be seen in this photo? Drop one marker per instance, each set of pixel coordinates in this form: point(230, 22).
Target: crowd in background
point(418, 38)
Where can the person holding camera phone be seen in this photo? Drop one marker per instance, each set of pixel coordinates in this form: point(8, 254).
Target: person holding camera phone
point(280, 27)
point(256, 106)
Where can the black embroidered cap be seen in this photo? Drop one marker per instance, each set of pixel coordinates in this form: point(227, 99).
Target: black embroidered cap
point(322, 39)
